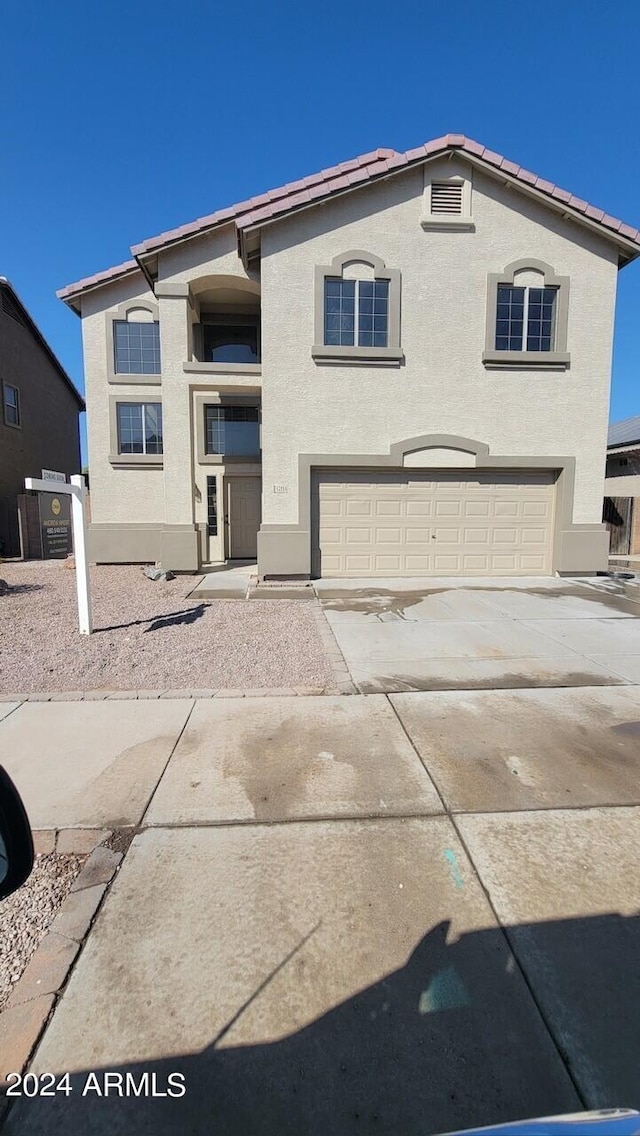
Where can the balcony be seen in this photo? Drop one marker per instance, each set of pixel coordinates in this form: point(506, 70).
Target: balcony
point(226, 337)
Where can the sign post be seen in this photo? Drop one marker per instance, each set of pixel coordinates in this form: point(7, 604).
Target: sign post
point(77, 493)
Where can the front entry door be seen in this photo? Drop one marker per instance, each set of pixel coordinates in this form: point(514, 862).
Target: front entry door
point(244, 495)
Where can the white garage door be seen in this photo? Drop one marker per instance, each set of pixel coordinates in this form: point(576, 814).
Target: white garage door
point(406, 523)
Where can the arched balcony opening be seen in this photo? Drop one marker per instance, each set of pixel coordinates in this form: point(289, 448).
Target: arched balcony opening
point(226, 328)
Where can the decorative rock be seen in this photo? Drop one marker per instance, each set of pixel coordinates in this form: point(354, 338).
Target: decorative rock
point(157, 573)
point(70, 562)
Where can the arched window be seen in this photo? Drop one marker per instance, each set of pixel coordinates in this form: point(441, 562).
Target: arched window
point(357, 310)
point(527, 315)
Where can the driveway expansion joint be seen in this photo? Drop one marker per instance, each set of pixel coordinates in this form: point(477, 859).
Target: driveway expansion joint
point(451, 816)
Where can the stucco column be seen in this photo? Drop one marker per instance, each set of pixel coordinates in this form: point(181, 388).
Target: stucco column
point(179, 542)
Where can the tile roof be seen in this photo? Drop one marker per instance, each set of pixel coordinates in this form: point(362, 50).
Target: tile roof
point(622, 433)
point(98, 278)
point(357, 171)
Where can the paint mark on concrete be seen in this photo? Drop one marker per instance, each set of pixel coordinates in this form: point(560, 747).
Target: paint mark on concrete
point(452, 861)
point(446, 991)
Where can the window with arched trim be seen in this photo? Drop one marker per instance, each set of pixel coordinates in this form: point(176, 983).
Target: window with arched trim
point(527, 315)
point(133, 342)
point(357, 309)
point(136, 342)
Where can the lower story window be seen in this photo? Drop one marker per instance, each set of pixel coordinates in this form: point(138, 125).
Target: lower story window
point(232, 430)
point(212, 506)
point(139, 428)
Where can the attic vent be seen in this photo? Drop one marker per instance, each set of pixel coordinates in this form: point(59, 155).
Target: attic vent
point(446, 198)
point(11, 309)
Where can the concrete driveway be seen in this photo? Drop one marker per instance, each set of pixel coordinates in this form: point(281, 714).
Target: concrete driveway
point(408, 913)
point(455, 634)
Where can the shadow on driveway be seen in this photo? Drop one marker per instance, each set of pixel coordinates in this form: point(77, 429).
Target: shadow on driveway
point(450, 1040)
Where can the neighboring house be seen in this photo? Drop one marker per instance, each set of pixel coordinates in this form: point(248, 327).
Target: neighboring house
point(622, 487)
point(398, 366)
point(39, 416)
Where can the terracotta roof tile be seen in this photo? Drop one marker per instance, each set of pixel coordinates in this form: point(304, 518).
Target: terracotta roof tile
point(99, 278)
point(376, 163)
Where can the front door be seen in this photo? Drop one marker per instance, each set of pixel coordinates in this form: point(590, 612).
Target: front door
point(244, 496)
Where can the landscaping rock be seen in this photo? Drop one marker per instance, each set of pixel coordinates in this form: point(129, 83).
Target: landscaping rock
point(158, 573)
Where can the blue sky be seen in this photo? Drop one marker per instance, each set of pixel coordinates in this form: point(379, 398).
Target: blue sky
point(122, 120)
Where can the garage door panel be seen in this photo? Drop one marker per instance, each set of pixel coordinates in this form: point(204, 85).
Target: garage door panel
point(374, 523)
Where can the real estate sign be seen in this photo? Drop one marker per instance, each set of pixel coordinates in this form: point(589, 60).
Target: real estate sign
point(55, 525)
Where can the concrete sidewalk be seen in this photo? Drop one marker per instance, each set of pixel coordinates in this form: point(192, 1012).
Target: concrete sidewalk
point(357, 915)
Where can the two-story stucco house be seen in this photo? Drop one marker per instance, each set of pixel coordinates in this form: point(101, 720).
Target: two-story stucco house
point(398, 366)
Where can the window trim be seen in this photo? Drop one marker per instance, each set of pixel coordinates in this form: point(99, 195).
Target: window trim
point(13, 425)
point(118, 314)
point(214, 398)
point(230, 319)
point(334, 353)
point(137, 461)
point(231, 403)
point(559, 358)
point(212, 480)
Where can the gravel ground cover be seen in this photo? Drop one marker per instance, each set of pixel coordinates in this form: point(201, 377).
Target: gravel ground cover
point(26, 915)
point(148, 635)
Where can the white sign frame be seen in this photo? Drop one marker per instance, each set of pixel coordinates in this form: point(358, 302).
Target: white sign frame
point(77, 491)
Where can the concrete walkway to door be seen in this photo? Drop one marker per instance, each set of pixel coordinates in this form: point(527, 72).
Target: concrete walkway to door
point(485, 633)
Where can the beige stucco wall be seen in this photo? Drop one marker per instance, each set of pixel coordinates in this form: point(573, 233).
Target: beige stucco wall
point(214, 254)
point(443, 387)
point(118, 496)
point(176, 494)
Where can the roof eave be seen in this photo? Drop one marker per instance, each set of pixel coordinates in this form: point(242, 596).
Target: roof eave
point(35, 330)
point(622, 447)
point(72, 294)
point(629, 248)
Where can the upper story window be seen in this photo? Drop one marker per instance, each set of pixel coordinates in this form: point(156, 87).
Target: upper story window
point(136, 347)
point(232, 430)
point(356, 312)
point(525, 319)
point(139, 427)
point(11, 398)
point(527, 316)
point(231, 342)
